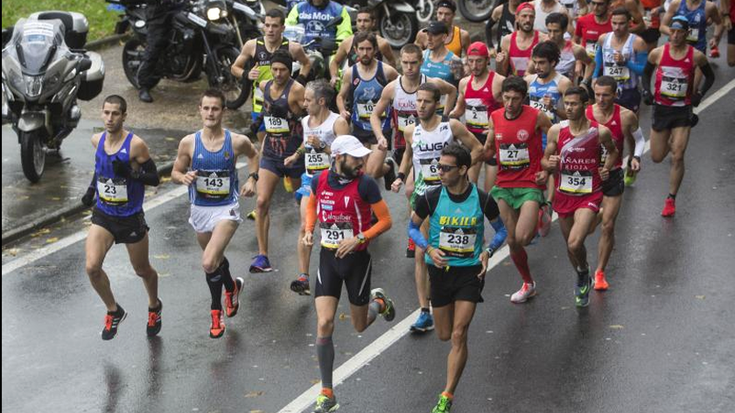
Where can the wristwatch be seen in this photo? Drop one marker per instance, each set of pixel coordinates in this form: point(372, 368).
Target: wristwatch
point(254, 175)
point(360, 237)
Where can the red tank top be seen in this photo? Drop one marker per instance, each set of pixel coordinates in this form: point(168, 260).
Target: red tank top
point(519, 58)
point(517, 149)
point(615, 124)
point(480, 103)
point(649, 5)
point(675, 78)
point(589, 30)
point(342, 212)
point(578, 173)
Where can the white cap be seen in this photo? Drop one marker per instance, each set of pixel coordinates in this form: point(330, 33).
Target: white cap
point(350, 145)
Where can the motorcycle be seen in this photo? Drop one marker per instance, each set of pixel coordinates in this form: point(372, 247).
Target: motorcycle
point(477, 10)
point(202, 40)
point(318, 50)
point(247, 17)
point(397, 20)
point(45, 70)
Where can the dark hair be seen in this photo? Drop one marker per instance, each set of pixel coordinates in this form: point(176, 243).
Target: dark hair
point(516, 84)
point(362, 36)
point(430, 87)
point(559, 18)
point(547, 50)
point(621, 11)
point(283, 57)
point(117, 100)
point(277, 14)
point(449, 4)
point(412, 48)
point(607, 81)
point(367, 10)
point(322, 89)
point(460, 153)
point(213, 93)
point(579, 91)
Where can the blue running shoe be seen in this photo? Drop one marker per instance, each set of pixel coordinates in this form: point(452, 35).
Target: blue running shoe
point(424, 323)
point(260, 264)
point(582, 294)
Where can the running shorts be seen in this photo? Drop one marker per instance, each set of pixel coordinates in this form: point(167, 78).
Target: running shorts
point(483, 138)
point(614, 186)
point(629, 99)
point(516, 197)
point(452, 284)
point(277, 167)
point(125, 230)
point(671, 117)
point(651, 35)
point(354, 270)
point(566, 205)
point(205, 218)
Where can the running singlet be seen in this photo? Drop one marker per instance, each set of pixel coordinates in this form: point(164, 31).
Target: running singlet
point(216, 182)
point(519, 58)
point(648, 6)
point(342, 212)
point(404, 111)
point(674, 78)
point(441, 70)
point(455, 46)
point(116, 196)
point(578, 173)
point(480, 103)
point(589, 30)
point(263, 60)
point(427, 148)
point(315, 158)
point(457, 229)
point(507, 23)
point(697, 35)
point(615, 124)
point(365, 95)
point(517, 149)
point(539, 23)
point(621, 73)
point(537, 91)
point(281, 137)
point(567, 61)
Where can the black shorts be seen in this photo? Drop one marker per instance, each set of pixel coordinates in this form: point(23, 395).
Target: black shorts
point(455, 284)
point(731, 36)
point(483, 138)
point(614, 186)
point(651, 35)
point(629, 99)
point(670, 117)
point(354, 270)
point(277, 167)
point(125, 230)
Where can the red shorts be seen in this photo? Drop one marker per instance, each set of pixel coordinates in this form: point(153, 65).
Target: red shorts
point(565, 205)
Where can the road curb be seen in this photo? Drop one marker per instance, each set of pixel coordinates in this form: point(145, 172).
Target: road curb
point(106, 41)
point(20, 232)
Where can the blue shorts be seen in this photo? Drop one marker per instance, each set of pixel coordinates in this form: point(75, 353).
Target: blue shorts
point(277, 167)
point(253, 117)
point(629, 99)
point(305, 188)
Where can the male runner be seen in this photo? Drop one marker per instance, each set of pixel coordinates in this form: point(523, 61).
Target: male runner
point(457, 40)
point(206, 164)
point(622, 123)
point(438, 61)
point(342, 198)
point(573, 152)
point(699, 14)
point(281, 114)
point(504, 15)
point(123, 166)
point(424, 143)
point(727, 8)
point(591, 26)
point(652, 9)
point(321, 126)
point(514, 137)
point(455, 256)
point(673, 98)
point(571, 53)
point(543, 8)
point(516, 47)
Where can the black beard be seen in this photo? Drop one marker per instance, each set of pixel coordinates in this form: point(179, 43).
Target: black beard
point(348, 172)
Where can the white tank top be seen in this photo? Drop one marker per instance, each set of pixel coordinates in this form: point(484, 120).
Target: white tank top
point(625, 77)
point(539, 23)
point(404, 105)
point(427, 147)
point(567, 61)
point(315, 158)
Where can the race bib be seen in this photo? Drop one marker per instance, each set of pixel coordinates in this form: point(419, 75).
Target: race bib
point(457, 242)
point(364, 110)
point(674, 88)
point(404, 120)
point(430, 171)
point(693, 35)
point(603, 155)
point(514, 156)
point(520, 64)
point(275, 125)
point(213, 184)
point(112, 191)
point(576, 183)
point(538, 103)
point(476, 116)
point(620, 73)
point(333, 234)
point(316, 161)
point(591, 48)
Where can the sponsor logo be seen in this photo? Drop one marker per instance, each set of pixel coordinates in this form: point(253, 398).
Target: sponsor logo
point(522, 135)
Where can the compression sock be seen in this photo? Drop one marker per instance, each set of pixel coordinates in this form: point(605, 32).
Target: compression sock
point(227, 280)
point(520, 259)
point(583, 275)
point(672, 196)
point(374, 309)
point(325, 353)
point(214, 281)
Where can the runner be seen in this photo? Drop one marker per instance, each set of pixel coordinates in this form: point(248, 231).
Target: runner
point(673, 98)
point(438, 61)
point(514, 137)
point(571, 53)
point(455, 256)
point(343, 198)
point(516, 47)
point(321, 127)
point(206, 164)
point(698, 13)
point(506, 19)
point(282, 110)
point(424, 143)
point(652, 17)
point(622, 123)
point(457, 40)
point(543, 8)
point(573, 153)
point(591, 26)
point(123, 166)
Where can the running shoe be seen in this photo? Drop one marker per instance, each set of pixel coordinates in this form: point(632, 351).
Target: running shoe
point(544, 220)
point(260, 264)
point(325, 404)
point(527, 291)
point(582, 294)
point(714, 52)
point(301, 285)
point(669, 208)
point(112, 320)
point(390, 176)
point(629, 178)
point(218, 326)
point(232, 299)
point(424, 323)
point(693, 120)
point(251, 216)
point(444, 405)
point(389, 312)
point(154, 320)
point(411, 249)
point(600, 281)
point(288, 184)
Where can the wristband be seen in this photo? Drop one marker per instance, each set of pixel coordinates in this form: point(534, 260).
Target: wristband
point(401, 176)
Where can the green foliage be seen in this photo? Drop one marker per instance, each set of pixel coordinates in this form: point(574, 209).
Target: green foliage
point(101, 21)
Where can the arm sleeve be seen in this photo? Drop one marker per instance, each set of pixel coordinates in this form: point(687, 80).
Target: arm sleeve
point(368, 189)
point(647, 73)
point(384, 223)
point(311, 213)
point(414, 232)
point(709, 78)
point(344, 30)
point(598, 63)
point(293, 17)
point(93, 183)
point(148, 173)
point(489, 32)
point(640, 143)
point(489, 206)
point(641, 58)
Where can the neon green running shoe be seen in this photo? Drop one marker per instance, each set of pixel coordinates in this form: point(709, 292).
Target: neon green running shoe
point(629, 178)
point(444, 405)
point(389, 313)
point(582, 294)
point(325, 405)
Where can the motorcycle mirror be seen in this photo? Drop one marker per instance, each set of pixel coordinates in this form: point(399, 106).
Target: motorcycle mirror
point(85, 64)
point(334, 22)
point(7, 34)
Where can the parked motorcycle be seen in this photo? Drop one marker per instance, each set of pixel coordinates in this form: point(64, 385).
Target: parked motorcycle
point(477, 10)
point(397, 20)
point(247, 17)
point(202, 40)
point(318, 50)
point(45, 70)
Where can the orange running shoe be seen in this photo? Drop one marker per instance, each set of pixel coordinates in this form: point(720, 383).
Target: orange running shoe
point(154, 320)
point(218, 326)
point(232, 299)
point(669, 208)
point(600, 281)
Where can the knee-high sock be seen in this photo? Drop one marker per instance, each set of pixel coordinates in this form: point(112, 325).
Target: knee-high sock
point(325, 353)
point(214, 281)
point(227, 280)
point(520, 259)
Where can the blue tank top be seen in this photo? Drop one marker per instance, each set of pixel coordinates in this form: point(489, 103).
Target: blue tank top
point(697, 35)
point(457, 229)
point(537, 91)
point(216, 182)
point(441, 70)
point(116, 196)
point(365, 95)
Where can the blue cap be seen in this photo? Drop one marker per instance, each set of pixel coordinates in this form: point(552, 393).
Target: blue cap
point(679, 23)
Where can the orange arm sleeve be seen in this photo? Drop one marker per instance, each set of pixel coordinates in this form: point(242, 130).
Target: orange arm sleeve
point(311, 214)
point(384, 223)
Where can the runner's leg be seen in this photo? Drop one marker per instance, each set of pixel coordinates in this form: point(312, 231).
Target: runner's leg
point(99, 241)
point(610, 209)
point(139, 258)
point(457, 359)
point(265, 188)
point(679, 142)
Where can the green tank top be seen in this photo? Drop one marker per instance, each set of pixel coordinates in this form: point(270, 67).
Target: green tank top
point(457, 229)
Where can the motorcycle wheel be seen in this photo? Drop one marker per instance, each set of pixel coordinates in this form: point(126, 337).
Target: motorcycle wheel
point(399, 29)
point(32, 155)
point(476, 10)
point(235, 92)
point(132, 57)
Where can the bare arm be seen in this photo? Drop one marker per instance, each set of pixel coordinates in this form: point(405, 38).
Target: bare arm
point(469, 140)
point(543, 123)
point(338, 58)
point(387, 51)
point(343, 94)
point(550, 160)
point(238, 68)
point(296, 99)
point(180, 173)
point(448, 89)
point(489, 147)
point(243, 146)
point(612, 152)
point(298, 53)
point(666, 21)
point(461, 106)
point(386, 98)
point(503, 59)
point(341, 127)
point(636, 16)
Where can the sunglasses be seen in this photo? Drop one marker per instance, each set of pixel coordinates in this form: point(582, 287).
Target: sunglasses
point(446, 168)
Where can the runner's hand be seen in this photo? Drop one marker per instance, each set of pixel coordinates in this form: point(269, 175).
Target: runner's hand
point(314, 141)
point(554, 162)
point(604, 174)
point(254, 72)
point(383, 144)
point(647, 97)
point(396, 185)
point(696, 99)
point(333, 81)
point(541, 177)
point(88, 198)
point(189, 178)
point(308, 239)
point(248, 189)
point(346, 246)
point(437, 256)
point(635, 166)
point(345, 114)
point(291, 159)
point(484, 257)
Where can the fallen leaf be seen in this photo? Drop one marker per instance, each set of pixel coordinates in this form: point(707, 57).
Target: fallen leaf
point(52, 240)
point(701, 297)
point(315, 381)
point(616, 327)
point(254, 394)
point(41, 232)
point(13, 251)
point(343, 316)
point(162, 256)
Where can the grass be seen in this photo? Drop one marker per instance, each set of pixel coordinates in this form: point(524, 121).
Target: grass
point(101, 21)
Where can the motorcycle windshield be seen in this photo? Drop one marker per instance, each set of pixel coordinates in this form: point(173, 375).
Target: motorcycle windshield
point(295, 33)
point(36, 45)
